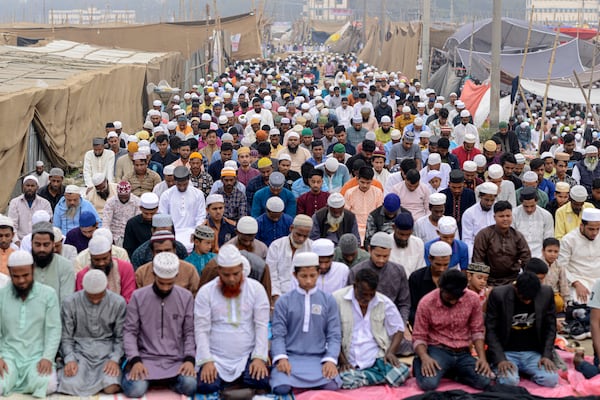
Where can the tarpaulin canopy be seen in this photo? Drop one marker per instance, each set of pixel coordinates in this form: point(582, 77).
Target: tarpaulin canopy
point(567, 94)
point(68, 91)
point(536, 64)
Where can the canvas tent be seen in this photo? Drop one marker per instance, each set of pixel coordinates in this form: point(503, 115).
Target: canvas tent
point(67, 92)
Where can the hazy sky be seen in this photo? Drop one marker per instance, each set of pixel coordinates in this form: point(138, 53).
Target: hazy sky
point(156, 10)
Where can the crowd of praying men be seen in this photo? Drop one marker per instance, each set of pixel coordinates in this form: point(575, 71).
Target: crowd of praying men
point(305, 223)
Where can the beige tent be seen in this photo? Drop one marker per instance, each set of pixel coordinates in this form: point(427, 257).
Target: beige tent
point(394, 47)
point(67, 91)
point(185, 37)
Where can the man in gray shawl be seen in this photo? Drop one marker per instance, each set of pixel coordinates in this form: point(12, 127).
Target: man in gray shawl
point(92, 338)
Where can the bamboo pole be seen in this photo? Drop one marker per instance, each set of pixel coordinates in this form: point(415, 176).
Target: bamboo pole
point(471, 47)
point(585, 97)
point(523, 64)
point(548, 83)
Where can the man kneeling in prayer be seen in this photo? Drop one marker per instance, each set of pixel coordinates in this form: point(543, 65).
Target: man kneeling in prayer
point(372, 330)
point(306, 333)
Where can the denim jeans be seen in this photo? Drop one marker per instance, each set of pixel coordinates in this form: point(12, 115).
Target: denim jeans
point(219, 384)
point(528, 363)
point(461, 363)
point(589, 370)
point(185, 385)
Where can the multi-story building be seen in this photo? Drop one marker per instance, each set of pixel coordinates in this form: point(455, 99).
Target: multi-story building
point(327, 10)
point(90, 16)
point(566, 12)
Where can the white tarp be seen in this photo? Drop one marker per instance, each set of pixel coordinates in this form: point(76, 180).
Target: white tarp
point(483, 110)
point(561, 93)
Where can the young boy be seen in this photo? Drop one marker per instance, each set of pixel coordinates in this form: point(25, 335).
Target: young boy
point(556, 276)
point(434, 181)
point(306, 333)
point(477, 276)
point(224, 228)
point(203, 239)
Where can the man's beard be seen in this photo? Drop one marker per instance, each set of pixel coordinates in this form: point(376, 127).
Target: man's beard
point(71, 211)
point(386, 130)
point(231, 292)
point(293, 150)
point(401, 242)
point(42, 261)
point(334, 222)
point(295, 244)
point(103, 194)
point(106, 269)
point(485, 208)
point(22, 293)
point(29, 197)
point(591, 166)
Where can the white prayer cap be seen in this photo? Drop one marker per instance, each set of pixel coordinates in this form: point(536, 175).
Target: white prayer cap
point(275, 204)
point(523, 125)
point(306, 259)
point(406, 109)
point(396, 134)
point(323, 247)
point(21, 258)
point(447, 225)
point(223, 119)
point(495, 171)
point(7, 221)
point(105, 233)
point(440, 249)
point(72, 189)
point(31, 178)
point(418, 121)
point(386, 118)
point(157, 103)
point(284, 120)
point(370, 136)
point(169, 170)
point(281, 109)
point(247, 225)
point(426, 134)
point(40, 216)
point(336, 200)
point(302, 220)
point(214, 198)
point(229, 256)
point(179, 112)
point(520, 158)
point(332, 164)
point(470, 138)
point(480, 160)
point(530, 177)
point(39, 163)
point(434, 159)
point(578, 193)
point(205, 117)
point(546, 154)
point(153, 113)
point(469, 166)
point(118, 124)
point(465, 114)
point(94, 281)
point(437, 199)
point(382, 239)
point(165, 265)
point(149, 201)
point(588, 150)
point(591, 215)
point(112, 134)
point(420, 105)
point(58, 236)
point(488, 188)
point(231, 164)
point(99, 245)
point(99, 177)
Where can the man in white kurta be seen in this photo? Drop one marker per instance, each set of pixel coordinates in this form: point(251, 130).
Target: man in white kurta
point(281, 252)
point(480, 215)
point(408, 250)
point(231, 315)
point(186, 206)
point(578, 254)
point(98, 160)
point(534, 222)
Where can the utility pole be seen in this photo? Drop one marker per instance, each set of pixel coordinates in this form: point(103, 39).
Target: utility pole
point(425, 45)
point(495, 72)
point(364, 23)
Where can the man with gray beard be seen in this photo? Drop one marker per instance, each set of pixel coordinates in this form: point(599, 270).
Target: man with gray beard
point(333, 221)
point(586, 170)
point(70, 207)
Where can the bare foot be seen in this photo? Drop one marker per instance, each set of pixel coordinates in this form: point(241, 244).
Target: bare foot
point(578, 358)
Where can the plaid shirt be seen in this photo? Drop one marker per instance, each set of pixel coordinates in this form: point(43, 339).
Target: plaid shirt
point(203, 182)
point(235, 204)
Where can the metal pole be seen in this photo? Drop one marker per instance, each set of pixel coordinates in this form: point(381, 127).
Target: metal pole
point(425, 46)
point(364, 23)
point(495, 72)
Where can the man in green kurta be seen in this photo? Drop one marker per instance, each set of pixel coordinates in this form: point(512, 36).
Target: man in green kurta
point(30, 331)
